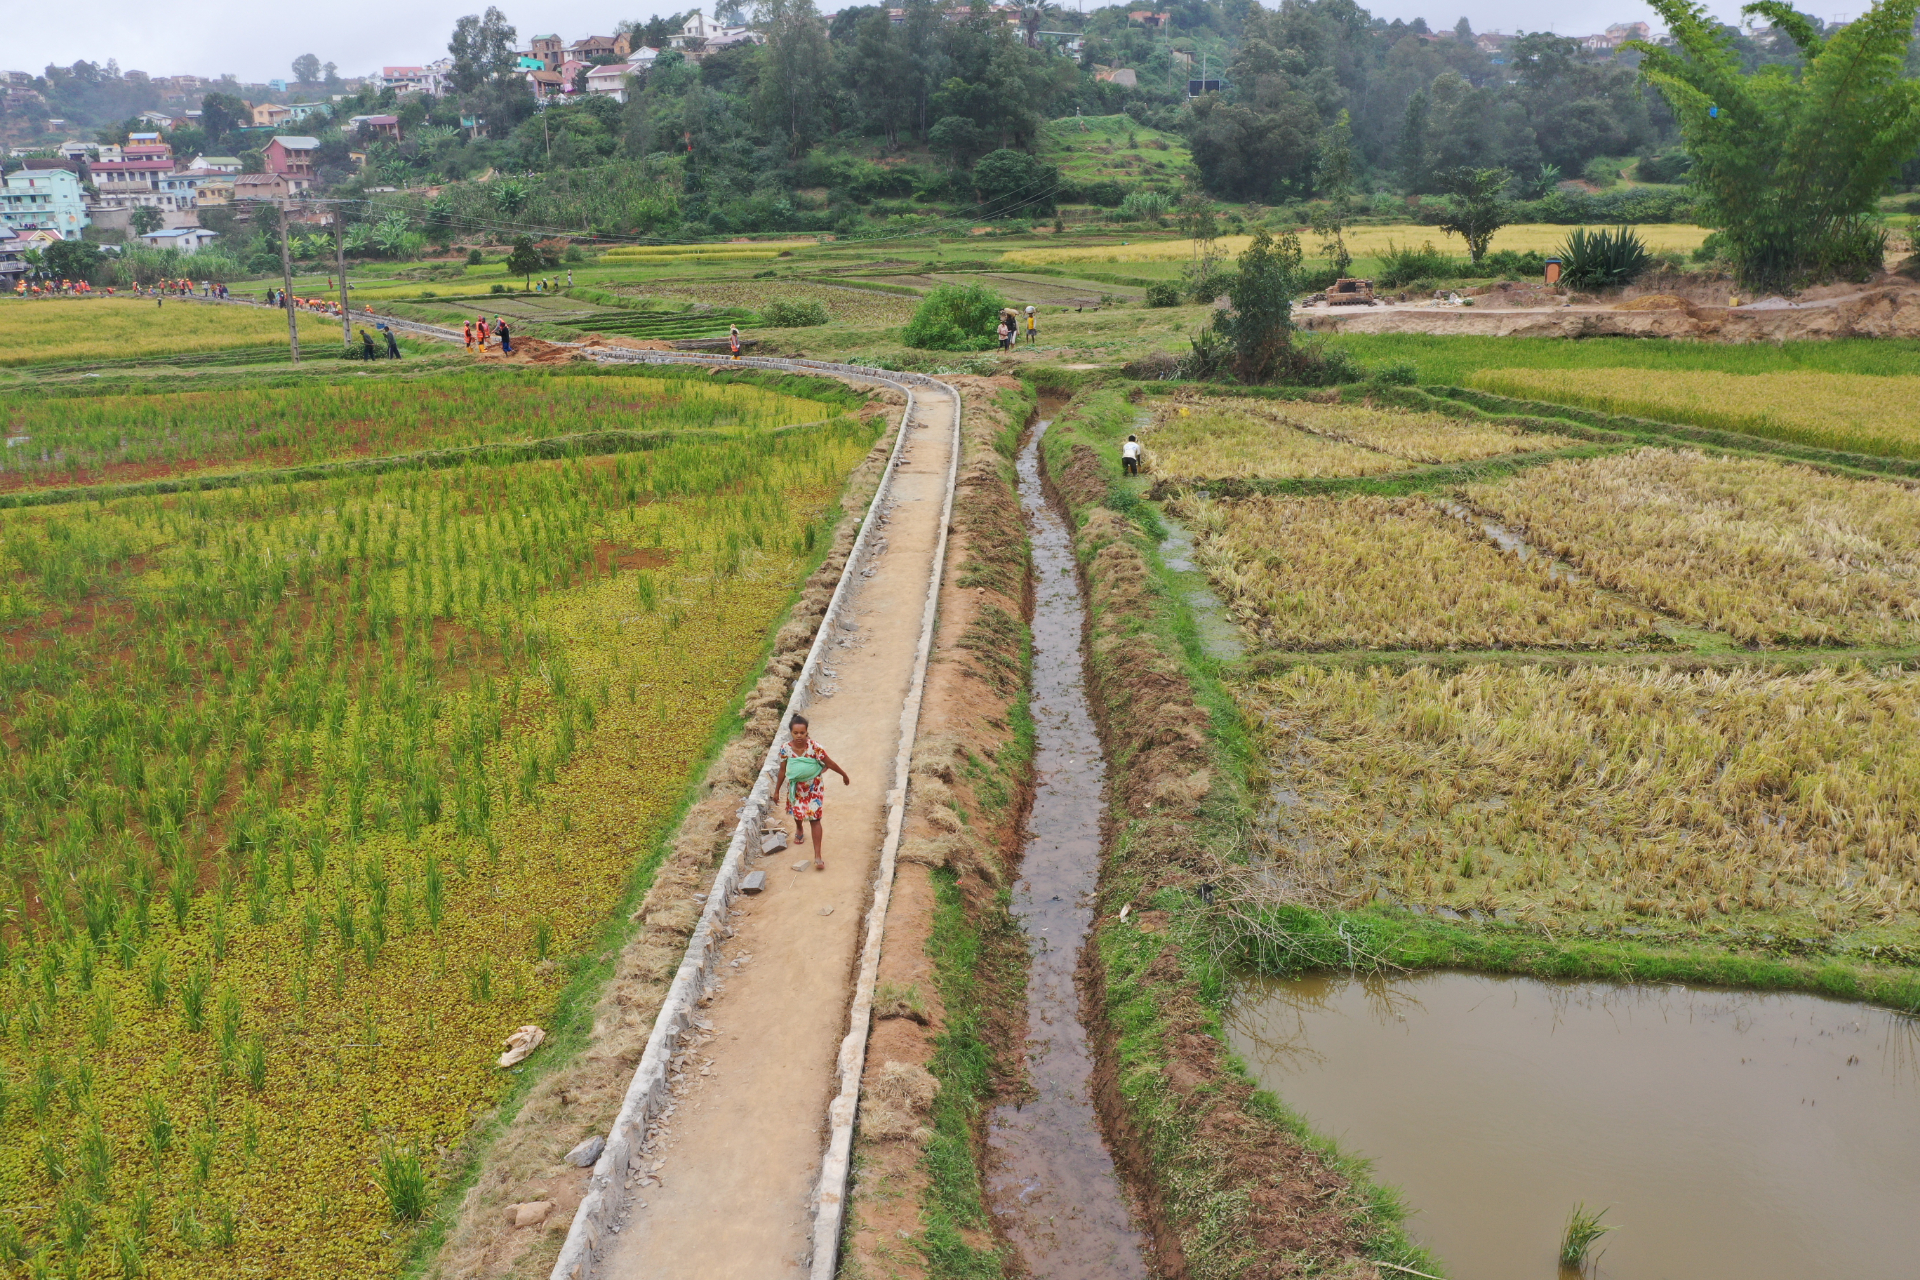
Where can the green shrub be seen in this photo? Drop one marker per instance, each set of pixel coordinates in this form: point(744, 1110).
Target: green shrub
point(1604, 259)
point(1402, 265)
point(474, 258)
point(1212, 285)
point(955, 317)
point(1400, 373)
point(1145, 205)
point(1163, 294)
point(1602, 172)
point(1668, 168)
point(499, 288)
point(793, 315)
point(1508, 262)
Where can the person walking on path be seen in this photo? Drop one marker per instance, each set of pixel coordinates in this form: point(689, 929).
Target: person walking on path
point(807, 795)
point(467, 330)
point(482, 330)
point(1004, 333)
point(393, 348)
point(366, 345)
point(1130, 456)
point(1033, 327)
point(733, 340)
point(506, 336)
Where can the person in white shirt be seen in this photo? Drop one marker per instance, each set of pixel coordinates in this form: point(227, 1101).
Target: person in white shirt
point(1130, 456)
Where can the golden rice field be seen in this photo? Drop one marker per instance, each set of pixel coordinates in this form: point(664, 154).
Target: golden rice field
point(671, 253)
point(61, 330)
point(1214, 441)
point(1251, 438)
point(1769, 553)
point(313, 794)
point(1362, 242)
point(1853, 412)
point(1711, 798)
point(1392, 573)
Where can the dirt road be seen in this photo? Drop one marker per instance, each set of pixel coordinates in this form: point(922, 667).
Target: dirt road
point(727, 1191)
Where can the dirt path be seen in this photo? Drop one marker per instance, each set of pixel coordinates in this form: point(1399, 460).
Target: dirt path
point(727, 1189)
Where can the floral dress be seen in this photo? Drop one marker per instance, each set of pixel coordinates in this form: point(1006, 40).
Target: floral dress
point(808, 796)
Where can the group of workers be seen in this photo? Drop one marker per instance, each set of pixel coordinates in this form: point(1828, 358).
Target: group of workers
point(64, 288)
point(480, 332)
point(1008, 330)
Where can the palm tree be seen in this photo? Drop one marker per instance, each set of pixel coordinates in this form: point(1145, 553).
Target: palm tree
point(1032, 14)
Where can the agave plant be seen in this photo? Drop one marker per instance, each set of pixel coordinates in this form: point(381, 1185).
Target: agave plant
point(1604, 259)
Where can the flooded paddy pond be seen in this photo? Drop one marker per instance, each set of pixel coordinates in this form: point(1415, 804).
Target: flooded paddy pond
point(1764, 1136)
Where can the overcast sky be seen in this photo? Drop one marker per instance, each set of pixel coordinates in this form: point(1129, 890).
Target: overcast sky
point(257, 42)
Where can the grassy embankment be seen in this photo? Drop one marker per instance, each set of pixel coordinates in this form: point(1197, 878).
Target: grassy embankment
point(951, 995)
point(1235, 1184)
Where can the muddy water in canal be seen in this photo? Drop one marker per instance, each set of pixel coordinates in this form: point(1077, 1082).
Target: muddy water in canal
point(1050, 1178)
point(1729, 1134)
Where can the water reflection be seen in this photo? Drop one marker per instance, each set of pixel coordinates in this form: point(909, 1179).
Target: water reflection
point(1732, 1133)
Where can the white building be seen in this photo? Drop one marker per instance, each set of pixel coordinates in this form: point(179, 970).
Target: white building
point(431, 78)
point(611, 81)
point(185, 239)
point(44, 198)
point(699, 27)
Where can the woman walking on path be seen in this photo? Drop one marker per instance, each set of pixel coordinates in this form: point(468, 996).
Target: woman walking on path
point(809, 794)
point(506, 336)
point(733, 340)
point(467, 329)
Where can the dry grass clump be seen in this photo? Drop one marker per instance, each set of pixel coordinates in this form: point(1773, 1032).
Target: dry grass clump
point(1265, 439)
point(1369, 572)
point(1856, 412)
point(1769, 553)
point(1606, 789)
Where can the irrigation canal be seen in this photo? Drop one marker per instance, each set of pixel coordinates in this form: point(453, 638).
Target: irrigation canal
point(1726, 1133)
point(1050, 1179)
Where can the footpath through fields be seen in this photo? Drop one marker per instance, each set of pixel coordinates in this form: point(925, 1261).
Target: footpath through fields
point(728, 1193)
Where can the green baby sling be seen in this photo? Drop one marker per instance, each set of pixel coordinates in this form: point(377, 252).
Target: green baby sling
point(801, 769)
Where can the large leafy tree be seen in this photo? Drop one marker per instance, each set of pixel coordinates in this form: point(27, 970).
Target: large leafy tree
point(1789, 162)
point(1259, 324)
point(486, 71)
point(794, 76)
point(1479, 207)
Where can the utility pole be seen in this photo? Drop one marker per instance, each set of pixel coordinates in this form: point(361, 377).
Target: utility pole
point(340, 263)
point(286, 281)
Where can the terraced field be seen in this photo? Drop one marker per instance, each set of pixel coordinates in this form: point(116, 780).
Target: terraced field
point(321, 788)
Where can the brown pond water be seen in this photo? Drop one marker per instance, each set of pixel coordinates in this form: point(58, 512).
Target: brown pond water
point(1050, 1179)
point(1729, 1134)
